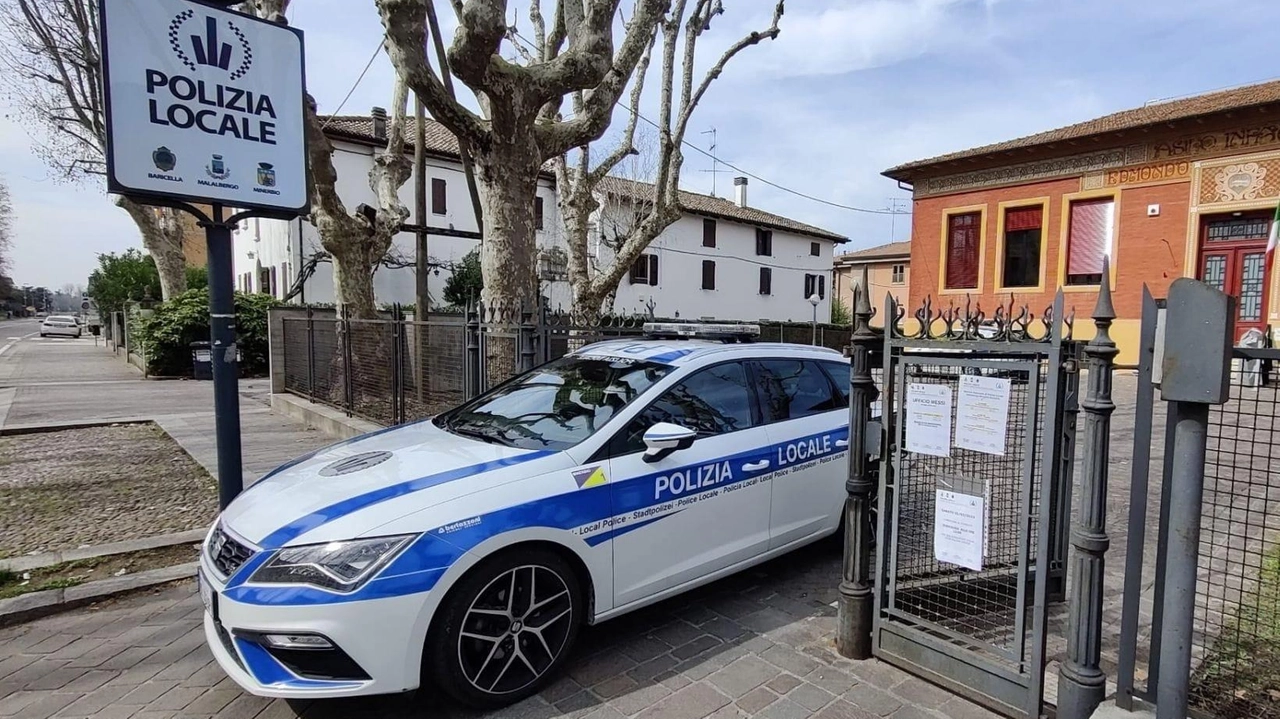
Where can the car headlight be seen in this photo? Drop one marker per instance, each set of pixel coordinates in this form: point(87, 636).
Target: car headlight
point(335, 566)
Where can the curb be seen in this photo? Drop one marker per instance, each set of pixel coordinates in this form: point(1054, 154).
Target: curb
point(48, 559)
point(51, 601)
point(330, 421)
point(37, 427)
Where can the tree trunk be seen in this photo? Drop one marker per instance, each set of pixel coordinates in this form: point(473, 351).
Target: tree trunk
point(508, 255)
point(353, 279)
point(162, 232)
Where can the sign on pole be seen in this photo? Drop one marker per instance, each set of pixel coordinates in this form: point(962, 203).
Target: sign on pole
point(203, 105)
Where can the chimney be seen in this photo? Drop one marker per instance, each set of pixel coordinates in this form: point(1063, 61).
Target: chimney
point(379, 116)
point(740, 191)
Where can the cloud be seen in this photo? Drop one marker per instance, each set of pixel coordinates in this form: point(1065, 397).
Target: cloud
point(854, 35)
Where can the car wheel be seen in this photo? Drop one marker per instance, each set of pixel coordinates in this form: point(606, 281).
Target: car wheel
point(43, 335)
point(505, 628)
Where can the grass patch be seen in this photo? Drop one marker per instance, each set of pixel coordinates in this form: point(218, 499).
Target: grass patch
point(1240, 678)
point(70, 574)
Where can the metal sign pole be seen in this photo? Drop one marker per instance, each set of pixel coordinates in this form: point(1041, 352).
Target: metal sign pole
point(223, 357)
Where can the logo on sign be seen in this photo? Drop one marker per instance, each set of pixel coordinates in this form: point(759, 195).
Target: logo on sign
point(590, 477)
point(217, 168)
point(164, 159)
point(266, 174)
point(210, 49)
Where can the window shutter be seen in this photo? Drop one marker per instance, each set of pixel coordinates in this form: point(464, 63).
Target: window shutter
point(1089, 238)
point(438, 195)
point(653, 269)
point(1026, 218)
point(708, 232)
point(708, 275)
point(822, 287)
point(766, 281)
point(815, 249)
point(808, 286)
point(537, 212)
point(962, 251)
point(637, 275)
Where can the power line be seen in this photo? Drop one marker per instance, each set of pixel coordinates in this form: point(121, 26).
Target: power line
point(716, 160)
point(767, 182)
point(350, 92)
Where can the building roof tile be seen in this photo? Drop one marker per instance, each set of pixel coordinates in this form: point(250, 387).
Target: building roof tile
point(892, 250)
point(1147, 115)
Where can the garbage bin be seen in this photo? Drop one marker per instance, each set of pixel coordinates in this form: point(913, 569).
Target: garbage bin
point(201, 364)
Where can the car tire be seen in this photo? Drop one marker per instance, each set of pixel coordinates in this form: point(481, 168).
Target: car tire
point(505, 629)
point(43, 335)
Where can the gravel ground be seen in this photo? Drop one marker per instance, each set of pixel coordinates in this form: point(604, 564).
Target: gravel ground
point(77, 487)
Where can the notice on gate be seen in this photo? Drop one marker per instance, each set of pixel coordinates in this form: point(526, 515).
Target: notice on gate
point(958, 532)
point(928, 425)
point(982, 414)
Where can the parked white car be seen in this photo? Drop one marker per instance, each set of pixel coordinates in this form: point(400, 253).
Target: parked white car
point(63, 325)
point(469, 549)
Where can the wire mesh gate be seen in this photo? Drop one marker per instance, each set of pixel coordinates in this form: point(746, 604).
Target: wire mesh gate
point(975, 497)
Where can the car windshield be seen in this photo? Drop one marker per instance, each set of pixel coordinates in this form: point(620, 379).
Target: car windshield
point(555, 406)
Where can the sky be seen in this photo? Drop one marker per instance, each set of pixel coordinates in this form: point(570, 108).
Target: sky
point(848, 89)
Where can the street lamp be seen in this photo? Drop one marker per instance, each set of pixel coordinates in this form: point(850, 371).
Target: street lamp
point(814, 299)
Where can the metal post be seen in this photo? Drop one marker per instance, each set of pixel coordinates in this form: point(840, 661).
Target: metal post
point(814, 339)
point(1190, 436)
point(311, 355)
point(397, 385)
point(526, 338)
point(473, 352)
point(222, 355)
point(1082, 685)
point(1195, 374)
point(853, 638)
point(344, 330)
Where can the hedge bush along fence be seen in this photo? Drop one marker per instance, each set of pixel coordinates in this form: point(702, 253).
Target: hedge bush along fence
point(166, 335)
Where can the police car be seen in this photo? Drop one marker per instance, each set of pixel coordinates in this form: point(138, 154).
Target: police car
point(467, 550)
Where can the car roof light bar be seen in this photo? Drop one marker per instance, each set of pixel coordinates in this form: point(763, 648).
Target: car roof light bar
point(726, 332)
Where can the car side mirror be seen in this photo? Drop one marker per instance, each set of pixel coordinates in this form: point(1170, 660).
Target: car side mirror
point(664, 438)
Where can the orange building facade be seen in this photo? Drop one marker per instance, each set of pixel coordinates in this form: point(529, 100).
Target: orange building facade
point(1179, 189)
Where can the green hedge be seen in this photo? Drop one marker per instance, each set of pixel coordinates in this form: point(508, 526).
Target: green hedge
point(168, 333)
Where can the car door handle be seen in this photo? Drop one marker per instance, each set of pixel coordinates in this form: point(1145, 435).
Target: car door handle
point(842, 443)
point(755, 466)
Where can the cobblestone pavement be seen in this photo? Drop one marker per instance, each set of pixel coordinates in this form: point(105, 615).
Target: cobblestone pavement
point(753, 645)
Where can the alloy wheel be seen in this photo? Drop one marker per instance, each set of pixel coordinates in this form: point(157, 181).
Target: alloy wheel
point(515, 629)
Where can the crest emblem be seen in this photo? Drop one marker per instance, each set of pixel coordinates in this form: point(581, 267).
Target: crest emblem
point(164, 159)
point(266, 174)
point(217, 168)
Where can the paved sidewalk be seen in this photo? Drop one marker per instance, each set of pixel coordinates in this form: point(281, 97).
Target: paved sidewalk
point(62, 380)
point(753, 645)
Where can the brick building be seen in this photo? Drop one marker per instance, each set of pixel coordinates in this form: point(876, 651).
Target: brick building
point(1177, 188)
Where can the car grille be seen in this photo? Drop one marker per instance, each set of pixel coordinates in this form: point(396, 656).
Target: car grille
point(226, 553)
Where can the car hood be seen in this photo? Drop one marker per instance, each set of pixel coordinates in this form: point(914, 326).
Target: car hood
point(355, 486)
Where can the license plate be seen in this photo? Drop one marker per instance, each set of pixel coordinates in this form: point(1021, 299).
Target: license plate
point(208, 597)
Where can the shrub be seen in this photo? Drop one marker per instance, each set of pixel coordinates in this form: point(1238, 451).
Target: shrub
point(168, 333)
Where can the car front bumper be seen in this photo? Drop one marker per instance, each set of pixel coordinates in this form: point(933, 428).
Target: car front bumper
point(382, 637)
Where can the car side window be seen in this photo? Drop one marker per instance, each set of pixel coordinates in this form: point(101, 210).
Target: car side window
point(791, 389)
point(713, 401)
point(839, 372)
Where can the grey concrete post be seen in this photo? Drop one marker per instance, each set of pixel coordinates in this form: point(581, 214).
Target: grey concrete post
point(1082, 685)
point(1195, 374)
point(855, 602)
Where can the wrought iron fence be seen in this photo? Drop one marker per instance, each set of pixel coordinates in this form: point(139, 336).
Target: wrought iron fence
point(394, 369)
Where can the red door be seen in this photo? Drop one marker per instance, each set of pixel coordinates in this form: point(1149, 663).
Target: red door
point(1233, 259)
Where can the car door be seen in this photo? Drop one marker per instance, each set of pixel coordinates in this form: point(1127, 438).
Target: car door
point(808, 424)
point(697, 510)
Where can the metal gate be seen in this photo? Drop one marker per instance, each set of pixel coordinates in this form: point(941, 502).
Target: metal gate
point(975, 497)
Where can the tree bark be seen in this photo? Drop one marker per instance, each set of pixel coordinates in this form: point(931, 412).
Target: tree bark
point(162, 234)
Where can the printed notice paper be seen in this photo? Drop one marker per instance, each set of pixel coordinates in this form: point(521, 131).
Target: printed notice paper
point(982, 413)
point(929, 419)
point(957, 529)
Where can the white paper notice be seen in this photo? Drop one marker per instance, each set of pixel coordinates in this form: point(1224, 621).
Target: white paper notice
point(957, 529)
point(929, 419)
point(982, 413)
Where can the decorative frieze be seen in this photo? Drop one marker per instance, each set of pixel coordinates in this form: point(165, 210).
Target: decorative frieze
point(1020, 173)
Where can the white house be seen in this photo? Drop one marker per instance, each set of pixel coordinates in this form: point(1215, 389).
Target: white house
point(722, 259)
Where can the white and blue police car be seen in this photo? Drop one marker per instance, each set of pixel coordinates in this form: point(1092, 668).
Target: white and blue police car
point(466, 551)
